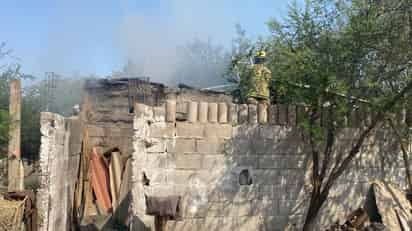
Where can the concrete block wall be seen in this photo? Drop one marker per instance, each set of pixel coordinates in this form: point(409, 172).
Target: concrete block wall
point(202, 158)
point(59, 160)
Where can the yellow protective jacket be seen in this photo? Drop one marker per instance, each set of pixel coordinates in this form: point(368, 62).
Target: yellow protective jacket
point(259, 82)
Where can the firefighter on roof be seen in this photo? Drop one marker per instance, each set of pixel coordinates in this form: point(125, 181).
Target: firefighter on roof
point(259, 81)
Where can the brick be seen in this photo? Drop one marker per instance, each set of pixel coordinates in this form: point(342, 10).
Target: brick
point(189, 161)
point(161, 129)
point(210, 146)
point(203, 112)
point(218, 130)
point(253, 114)
point(243, 113)
point(181, 146)
point(189, 130)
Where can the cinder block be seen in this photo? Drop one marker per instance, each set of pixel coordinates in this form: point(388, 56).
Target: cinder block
point(158, 160)
point(181, 111)
point(155, 145)
point(262, 113)
point(95, 131)
point(162, 130)
point(213, 161)
point(189, 130)
point(180, 177)
point(218, 130)
point(159, 113)
point(292, 115)
point(285, 206)
point(232, 114)
point(170, 110)
point(189, 161)
point(212, 112)
point(266, 177)
point(247, 193)
point(269, 162)
point(222, 113)
point(282, 114)
point(248, 223)
point(252, 114)
point(210, 146)
point(203, 112)
point(181, 146)
point(273, 114)
point(243, 113)
point(192, 112)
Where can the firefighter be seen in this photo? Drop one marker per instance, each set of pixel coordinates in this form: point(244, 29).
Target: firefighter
point(259, 81)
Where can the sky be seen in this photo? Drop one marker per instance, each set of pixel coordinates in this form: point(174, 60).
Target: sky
point(98, 36)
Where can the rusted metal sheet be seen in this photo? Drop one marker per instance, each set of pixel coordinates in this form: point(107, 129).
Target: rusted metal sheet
point(100, 181)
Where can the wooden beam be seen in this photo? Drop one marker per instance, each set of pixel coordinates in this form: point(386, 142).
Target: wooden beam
point(15, 164)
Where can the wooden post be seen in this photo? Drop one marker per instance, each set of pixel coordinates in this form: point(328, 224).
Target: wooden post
point(160, 223)
point(15, 165)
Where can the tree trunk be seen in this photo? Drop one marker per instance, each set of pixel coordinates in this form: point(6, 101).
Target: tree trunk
point(317, 200)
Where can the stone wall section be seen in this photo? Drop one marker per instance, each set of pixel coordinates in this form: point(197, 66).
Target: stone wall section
point(59, 160)
point(204, 151)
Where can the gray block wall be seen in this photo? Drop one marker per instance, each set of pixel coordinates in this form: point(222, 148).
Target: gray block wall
point(202, 158)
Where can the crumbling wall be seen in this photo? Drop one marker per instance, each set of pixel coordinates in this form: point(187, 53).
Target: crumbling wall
point(59, 160)
point(206, 158)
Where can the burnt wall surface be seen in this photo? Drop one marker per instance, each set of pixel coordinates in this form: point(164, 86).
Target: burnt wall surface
point(108, 108)
point(244, 167)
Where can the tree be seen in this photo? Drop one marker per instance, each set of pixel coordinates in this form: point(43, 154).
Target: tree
point(335, 57)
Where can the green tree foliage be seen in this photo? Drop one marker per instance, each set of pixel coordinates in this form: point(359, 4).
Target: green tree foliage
point(335, 57)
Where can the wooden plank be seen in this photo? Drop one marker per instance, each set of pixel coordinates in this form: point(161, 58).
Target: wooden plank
point(15, 169)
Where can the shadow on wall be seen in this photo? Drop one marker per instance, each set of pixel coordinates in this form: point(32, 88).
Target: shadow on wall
point(252, 184)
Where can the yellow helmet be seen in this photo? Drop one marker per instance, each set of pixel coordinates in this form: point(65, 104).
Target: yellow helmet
point(261, 54)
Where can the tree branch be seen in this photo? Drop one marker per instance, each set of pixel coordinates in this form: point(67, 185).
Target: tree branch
point(339, 169)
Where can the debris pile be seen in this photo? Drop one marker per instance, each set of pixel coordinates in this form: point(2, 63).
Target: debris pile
point(386, 208)
point(102, 188)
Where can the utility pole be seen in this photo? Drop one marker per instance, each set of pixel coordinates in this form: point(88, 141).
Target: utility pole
point(15, 164)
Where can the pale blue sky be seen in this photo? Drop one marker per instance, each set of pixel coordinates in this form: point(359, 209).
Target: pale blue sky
point(97, 36)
